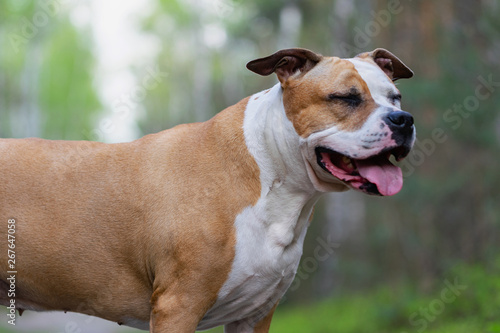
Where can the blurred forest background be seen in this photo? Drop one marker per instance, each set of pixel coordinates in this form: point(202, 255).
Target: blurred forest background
point(425, 260)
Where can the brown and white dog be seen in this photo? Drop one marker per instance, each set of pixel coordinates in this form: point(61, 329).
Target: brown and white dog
point(200, 225)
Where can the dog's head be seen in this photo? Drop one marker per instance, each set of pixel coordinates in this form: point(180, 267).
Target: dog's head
point(348, 115)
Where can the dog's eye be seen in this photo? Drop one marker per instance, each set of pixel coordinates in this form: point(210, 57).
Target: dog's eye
point(352, 100)
point(396, 98)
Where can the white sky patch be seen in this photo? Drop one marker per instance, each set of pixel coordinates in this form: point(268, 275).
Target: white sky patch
point(119, 46)
point(214, 36)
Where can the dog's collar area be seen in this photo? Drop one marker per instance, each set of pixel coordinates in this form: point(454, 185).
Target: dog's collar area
point(374, 175)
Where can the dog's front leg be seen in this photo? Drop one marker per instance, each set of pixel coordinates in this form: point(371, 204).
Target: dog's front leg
point(257, 324)
point(178, 313)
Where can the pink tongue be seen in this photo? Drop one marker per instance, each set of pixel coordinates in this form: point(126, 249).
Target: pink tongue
point(381, 172)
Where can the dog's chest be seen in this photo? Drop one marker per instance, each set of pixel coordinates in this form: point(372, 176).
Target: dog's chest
point(270, 233)
point(266, 260)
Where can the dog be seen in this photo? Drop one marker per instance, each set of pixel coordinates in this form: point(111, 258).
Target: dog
point(201, 225)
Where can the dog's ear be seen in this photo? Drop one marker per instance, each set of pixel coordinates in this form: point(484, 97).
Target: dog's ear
point(389, 63)
point(285, 63)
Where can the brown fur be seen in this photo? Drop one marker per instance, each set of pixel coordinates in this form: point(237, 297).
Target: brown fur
point(264, 325)
point(306, 103)
point(119, 230)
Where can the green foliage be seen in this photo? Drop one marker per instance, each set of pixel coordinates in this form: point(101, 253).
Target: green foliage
point(46, 73)
point(67, 97)
point(403, 309)
point(386, 309)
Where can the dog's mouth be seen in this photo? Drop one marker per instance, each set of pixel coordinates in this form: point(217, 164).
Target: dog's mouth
point(374, 175)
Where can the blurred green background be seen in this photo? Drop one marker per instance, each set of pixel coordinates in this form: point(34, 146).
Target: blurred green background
point(425, 260)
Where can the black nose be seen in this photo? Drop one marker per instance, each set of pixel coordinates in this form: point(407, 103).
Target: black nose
point(401, 125)
point(399, 121)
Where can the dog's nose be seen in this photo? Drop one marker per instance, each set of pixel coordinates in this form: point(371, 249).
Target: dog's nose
point(399, 121)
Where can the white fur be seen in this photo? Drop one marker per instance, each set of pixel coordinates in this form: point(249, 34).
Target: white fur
point(269, 235)
point(379, 84)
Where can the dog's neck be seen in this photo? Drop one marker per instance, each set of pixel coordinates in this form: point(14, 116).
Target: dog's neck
point(275, 145)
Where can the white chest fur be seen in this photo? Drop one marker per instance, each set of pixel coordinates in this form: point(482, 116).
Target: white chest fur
point(269, 235)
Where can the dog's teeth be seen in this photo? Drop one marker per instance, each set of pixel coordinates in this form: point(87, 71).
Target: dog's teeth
point(347, 162)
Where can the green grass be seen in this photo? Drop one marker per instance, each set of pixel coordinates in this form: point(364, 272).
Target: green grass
point(473, 305)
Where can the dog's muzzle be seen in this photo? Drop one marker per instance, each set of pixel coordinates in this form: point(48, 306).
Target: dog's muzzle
point(374, 174)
